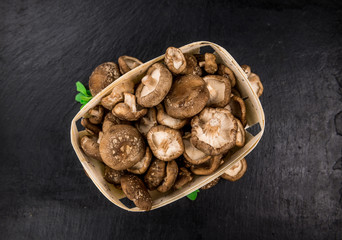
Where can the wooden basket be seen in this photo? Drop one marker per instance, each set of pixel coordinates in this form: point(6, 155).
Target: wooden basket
point(254, 116)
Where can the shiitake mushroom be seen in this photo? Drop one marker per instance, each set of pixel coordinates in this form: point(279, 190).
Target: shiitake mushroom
point(102, 76)
point(121, 147)
point(236, 171)
point(135, 190)
point(187, 97)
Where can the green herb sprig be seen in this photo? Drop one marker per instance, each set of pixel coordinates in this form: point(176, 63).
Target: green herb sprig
point(84, 95)
point(192, 196)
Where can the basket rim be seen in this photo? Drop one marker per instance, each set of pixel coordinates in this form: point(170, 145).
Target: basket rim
point(74, 133)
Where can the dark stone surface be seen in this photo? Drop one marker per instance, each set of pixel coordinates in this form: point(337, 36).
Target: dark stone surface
point(292, 186)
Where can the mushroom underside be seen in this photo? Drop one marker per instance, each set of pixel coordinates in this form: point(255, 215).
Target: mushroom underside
point(236, 171)
point(214, 131)
point(166, 145)
point(192, 154)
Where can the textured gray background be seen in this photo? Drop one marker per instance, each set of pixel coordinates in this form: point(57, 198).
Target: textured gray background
point(293, 185)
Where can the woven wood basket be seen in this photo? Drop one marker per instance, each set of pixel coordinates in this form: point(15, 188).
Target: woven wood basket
point(255, 116)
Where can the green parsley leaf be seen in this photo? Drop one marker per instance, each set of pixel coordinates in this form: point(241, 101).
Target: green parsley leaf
point(79, 97)
point(84, 95)
point(81, 88)
point(83, 101)
point(192, 196)
point(85, 98)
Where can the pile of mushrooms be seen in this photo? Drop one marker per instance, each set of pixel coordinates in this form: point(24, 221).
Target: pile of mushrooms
point(180, 121)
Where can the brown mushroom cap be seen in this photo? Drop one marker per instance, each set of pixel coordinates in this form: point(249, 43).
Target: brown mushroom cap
point(246, 69)
point(175, 60)
point(143, 164)
point(170, 178)
point(109, 121)
point(155, 174)
point(211, 184)
point(96, 114)
point(154, 86)
point(187, 97)
point(145, 123)
point(236, 171)
point(240, 135)
point(121, 147)
point(117, 94)
point(128, 110)
point(113, 176)
point(91, 128)
point(208, 167)
point(102, 76)
point(192, 154)
point(184, 177)
point(219, 90)
point(225, 71)
point(136, 191)
point(214, 131)
point(166, 143)
point(238, 108)
point(191, 65)
point(91, 147)
point(169, 121)
point(210, 65)
point(256, 84)
point(127, 63)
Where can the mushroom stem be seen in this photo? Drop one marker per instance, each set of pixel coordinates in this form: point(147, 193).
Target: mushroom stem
point(130, 101)
point(116, 95)
point(212, 91)
point(96, 114)
point(145, 123)
point(128, 109)
point(149, 81)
